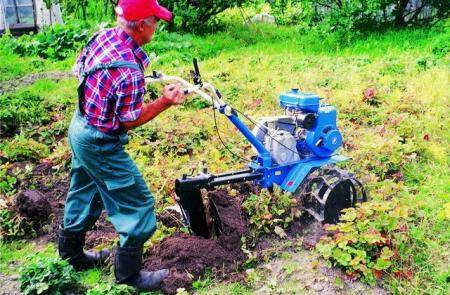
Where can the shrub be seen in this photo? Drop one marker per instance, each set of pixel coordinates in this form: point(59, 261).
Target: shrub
point(290, 12)
point(367, 240)
point(339, 22)
point(56, 42)
point(48, 276)
point(194, 15)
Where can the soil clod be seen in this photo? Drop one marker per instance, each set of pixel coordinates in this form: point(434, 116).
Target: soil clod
point(34, 206)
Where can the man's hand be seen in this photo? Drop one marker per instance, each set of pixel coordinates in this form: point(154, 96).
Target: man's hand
point(173, 94)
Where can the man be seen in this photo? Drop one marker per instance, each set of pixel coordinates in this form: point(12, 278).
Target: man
point(111, 94)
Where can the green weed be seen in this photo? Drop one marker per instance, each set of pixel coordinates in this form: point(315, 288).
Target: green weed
point(367, 240)
point(48, 276)
point(22, 109)
point(21, 148)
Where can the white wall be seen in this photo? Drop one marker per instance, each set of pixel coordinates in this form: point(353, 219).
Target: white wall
point(47, 17)
point(2, 16)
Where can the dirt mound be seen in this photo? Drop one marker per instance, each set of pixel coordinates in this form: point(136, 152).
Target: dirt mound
point(234, 224)
point(188, 257)
point(34, 206)
point(43, 207)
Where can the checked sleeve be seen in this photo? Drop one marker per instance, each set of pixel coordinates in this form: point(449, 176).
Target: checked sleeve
point(130, 96)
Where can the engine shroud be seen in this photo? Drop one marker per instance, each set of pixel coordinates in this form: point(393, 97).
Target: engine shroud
point(307, 123)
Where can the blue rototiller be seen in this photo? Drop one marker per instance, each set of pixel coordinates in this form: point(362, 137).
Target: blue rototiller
point(295, 151)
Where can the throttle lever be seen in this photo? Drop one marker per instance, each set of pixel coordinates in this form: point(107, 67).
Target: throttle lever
point(156, 75)
point(197, 71)
point(196, 77)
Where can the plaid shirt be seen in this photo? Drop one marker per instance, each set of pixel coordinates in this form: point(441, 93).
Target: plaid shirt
point(113, 95)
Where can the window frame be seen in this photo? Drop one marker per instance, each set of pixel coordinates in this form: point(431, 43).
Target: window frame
point(16, 6)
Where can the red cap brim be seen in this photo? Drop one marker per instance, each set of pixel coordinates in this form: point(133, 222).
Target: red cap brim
point(140, 9)
point(163, 13)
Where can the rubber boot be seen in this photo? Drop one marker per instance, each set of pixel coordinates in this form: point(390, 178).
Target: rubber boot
point(70, 247)
point(128, 264)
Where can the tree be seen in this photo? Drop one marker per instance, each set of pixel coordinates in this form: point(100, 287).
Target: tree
point(397, 13)
point(194, 15)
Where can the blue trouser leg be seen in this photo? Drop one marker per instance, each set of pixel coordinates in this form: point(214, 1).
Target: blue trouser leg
point(83, 204)
point(106, 168)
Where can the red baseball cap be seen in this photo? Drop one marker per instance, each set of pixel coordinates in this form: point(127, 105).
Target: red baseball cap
point(141, 9)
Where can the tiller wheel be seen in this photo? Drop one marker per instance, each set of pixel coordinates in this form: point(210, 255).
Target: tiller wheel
point(328, 190)
point(200, 213)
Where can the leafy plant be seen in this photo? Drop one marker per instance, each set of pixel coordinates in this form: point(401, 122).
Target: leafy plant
point(111, 289)
point(56, 42)
point(48, 276)
point(366, 241)
point(181, 142)
point(13, 226)
point(271, 212)
point(204, 282)
point(7, 182)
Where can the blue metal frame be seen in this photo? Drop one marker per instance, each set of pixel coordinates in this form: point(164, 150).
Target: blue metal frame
point(288, 176)
point(264, 157)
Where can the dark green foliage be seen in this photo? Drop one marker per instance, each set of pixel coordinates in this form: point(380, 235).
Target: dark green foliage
point(57, 42)
point(22, 109)
point(196, 15)
point(344, 20)
point(48, 276)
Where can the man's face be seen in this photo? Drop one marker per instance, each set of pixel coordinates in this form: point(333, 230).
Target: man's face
point(146, 29)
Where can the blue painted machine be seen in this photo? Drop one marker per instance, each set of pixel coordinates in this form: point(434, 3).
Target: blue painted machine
point(295, 151)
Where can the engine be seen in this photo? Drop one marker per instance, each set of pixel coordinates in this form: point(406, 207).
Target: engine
point(307, 130)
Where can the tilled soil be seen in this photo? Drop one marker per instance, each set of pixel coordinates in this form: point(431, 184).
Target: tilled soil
point(188, 257)
point(43, 207)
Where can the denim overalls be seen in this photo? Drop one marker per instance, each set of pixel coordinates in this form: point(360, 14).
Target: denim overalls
point(104, 176)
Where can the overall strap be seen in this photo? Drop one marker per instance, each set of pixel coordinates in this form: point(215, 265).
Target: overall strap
point(87, 48)
point(110, 65)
